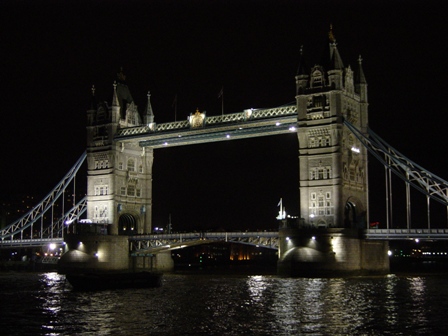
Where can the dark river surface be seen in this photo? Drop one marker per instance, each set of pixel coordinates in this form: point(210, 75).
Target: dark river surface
point(217, 304)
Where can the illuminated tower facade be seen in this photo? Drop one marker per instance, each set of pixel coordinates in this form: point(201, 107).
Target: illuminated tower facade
point(333, 164)
point(119, 181)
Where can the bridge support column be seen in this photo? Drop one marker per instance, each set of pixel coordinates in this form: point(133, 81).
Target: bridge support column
point(163, 262)
point(330, 252)
point(95, 253)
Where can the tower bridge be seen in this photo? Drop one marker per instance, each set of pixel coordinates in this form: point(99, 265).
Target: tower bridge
point(330, 118)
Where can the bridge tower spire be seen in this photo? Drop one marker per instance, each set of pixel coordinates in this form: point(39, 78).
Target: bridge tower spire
point(333, 165)
point(149, 116)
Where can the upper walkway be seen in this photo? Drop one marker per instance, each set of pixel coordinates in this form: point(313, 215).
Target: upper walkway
point(199, 128)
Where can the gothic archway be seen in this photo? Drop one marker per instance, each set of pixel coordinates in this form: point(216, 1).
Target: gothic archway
point(322, 223)
point(127, 225)
point(350, 215)
point(355, 214)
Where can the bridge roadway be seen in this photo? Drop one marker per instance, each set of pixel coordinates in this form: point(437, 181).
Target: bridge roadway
point(154, 243)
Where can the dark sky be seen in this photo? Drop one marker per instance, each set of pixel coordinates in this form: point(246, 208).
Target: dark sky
point(53, 51)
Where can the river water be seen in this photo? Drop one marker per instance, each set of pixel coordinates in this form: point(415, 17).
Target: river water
point(218, 304)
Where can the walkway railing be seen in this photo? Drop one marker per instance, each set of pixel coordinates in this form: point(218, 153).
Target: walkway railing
point(246, 115)
point(394, 234)
point(165, 242)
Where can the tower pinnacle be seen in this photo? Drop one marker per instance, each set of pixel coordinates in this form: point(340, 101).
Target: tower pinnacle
point(331, 35)
point(360, 78)
point(149, 116)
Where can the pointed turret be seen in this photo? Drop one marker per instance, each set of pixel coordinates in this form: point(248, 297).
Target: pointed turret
point(302, 74)
point(335, 59)
point(302, 69)
point(360, 81)
point(115, 101)
point(91, 112)
point(360, 78)
point(336, 66)
point(93, 100)
point(123, 94)
point(115, 106)
point(149, 115)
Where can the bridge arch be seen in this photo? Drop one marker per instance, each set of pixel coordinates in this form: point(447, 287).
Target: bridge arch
point(127, 224)
point(354, 213)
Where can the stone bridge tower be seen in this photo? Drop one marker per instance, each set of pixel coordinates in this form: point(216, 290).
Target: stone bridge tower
point(333, 164)
point(119, 192)
point(333, 186)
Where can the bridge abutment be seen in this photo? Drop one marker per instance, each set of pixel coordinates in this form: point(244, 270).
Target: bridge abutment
point(328, 252)
point(90, 253)
point(104, 253)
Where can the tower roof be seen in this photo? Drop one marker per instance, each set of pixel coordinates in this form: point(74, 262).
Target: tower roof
point(336, 61)
point(115, 101)
point(331, 59)
point(149, 112)
point(360, 78)
point(122, 96)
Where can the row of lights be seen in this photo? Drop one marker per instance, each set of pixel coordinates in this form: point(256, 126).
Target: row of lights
point(312, 238)
point(291, 129)
point(96, 254)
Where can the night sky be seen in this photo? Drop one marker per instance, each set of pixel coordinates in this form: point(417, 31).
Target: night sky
point(52, 52)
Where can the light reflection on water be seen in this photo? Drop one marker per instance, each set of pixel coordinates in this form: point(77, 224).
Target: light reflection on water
point(44, 304)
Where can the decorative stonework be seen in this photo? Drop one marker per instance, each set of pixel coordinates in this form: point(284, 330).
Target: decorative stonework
point(349, 83)
point(197, 119)
point(317, 77)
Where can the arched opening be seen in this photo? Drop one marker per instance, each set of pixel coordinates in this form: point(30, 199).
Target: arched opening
point(350, 215)
point(322, 223)
point(127, 225)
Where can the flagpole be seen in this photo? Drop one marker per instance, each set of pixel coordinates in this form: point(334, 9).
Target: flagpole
point(175, 107)
point(221, 95)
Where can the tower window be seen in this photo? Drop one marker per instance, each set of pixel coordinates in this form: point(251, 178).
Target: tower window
point(321, 174)
point(317, 101)
point(131, 191)
point(321, 202)
point(101, 190)
point(131, 165)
